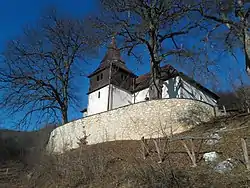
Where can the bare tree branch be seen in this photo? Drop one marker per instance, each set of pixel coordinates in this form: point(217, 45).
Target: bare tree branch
point(152, 24)
point(40, 67)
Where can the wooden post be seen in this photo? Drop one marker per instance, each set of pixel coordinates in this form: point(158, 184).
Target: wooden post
point(191, 153)
point(224, 109)
point(171, 131)
point(145, 150)
point(158, 151)
point(245, 152)
point(7, 171)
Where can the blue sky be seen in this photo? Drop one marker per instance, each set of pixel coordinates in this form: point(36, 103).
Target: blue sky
point(16, 14)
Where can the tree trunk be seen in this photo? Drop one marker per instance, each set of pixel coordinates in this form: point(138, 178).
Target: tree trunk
point(65, 98)
point(64, 115)
point(246, 35)
point(155, 87)
point(247, 50)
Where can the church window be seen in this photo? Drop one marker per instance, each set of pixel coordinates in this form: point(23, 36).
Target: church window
point(98, 78)
point(101, 76)
point(99, 94)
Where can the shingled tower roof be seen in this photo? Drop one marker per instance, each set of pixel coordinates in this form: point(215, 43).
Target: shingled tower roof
point(113, 52)
point(112, 56)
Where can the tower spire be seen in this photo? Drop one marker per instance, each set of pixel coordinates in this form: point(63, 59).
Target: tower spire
point(113, 52)
point(113, 43)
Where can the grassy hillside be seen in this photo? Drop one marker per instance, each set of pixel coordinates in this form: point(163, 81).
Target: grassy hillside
point(15, 145)
point(123, 164)
point(19, 153)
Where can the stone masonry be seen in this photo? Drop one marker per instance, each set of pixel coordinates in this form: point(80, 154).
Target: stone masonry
point(150, 119)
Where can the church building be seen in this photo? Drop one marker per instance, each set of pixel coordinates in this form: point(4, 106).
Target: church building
point(113, 85)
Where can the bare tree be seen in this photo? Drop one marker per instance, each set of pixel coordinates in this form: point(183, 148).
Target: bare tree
point(39, 68)
point(233, 17)
point(154, 25)
point(243, 94)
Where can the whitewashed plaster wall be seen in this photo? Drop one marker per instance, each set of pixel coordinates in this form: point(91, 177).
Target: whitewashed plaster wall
point(151, 119)
point(95, 104)
point(177, 88)
point(191, 92)
point(120, 97)
point(171, 88)
point(140, 95)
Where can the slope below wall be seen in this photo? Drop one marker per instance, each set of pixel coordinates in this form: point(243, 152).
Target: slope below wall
point(150, 119)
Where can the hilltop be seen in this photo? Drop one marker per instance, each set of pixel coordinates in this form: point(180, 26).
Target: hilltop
point(122, 163)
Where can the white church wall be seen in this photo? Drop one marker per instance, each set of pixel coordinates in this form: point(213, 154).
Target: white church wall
point(189, 91)
point(171, 88)
point(98, 101)
point(140, 95)
point(151, 119)
point(120, 97)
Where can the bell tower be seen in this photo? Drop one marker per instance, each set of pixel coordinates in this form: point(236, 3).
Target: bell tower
point(111, 75)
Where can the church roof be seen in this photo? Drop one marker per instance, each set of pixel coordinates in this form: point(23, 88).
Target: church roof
point(143, 81)
point(112, 56)
point(168, 71)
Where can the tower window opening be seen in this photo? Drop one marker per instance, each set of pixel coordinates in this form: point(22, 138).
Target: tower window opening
point(98, 78)
point(123, 77)
point(99, 94)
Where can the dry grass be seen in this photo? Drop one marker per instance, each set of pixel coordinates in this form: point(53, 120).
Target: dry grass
point(120, 164)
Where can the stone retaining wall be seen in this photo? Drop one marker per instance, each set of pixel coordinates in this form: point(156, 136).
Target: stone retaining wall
point(151, 119)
